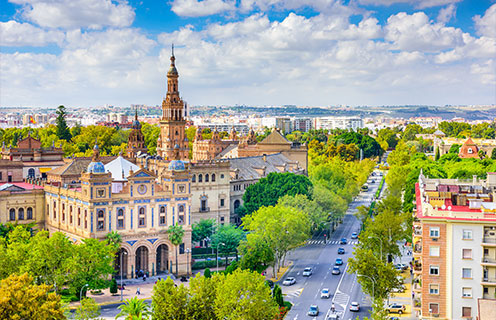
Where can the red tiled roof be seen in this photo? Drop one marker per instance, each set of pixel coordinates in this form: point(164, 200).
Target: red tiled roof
point(25, 185)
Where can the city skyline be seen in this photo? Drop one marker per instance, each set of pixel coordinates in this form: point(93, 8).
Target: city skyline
point(365, 52)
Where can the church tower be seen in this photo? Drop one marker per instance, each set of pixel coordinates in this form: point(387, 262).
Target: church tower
point(172, 141)
point(136, 141)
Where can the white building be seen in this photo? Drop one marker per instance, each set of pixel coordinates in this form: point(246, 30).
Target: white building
point(329, 123)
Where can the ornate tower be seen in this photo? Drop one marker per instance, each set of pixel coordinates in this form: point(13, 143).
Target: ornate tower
point(136, 141)
point(172, 123)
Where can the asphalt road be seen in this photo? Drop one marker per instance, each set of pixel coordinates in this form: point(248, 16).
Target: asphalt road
point(344, 287)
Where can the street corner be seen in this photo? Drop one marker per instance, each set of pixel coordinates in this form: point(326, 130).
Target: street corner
point(282, 272)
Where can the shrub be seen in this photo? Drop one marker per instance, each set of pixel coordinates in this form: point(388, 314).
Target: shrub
point(113, 286)
point(207, 273)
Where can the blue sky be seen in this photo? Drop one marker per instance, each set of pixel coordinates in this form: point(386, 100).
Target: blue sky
point(255, 52)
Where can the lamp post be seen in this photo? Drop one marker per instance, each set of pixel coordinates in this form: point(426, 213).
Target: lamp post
point(81, 292)
point(217, 256)
point(380, 242)
point(188, 262)
point(373, 283)
point(122, 253)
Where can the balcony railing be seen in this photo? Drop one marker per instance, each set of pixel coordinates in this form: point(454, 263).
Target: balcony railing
point(417, 248)
point(491, 280)
point(417, 267)
point(490, 240)
point(417, 232)
point(488, 260)
point(204, 209)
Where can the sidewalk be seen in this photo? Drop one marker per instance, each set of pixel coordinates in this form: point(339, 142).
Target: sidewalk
point(131, 286)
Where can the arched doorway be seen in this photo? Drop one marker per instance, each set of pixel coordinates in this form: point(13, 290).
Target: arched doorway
point(122, 252)
point(141, 262)
point(162, 258)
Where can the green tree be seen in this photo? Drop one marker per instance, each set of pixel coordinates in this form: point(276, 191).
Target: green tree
point(88, 309)
point(202, 292)
point(114, 239)
point(277, 295)
point(244, 295)
point(362, 214)
point(92, 263)
point(227, 239)
point(207, 273)
point(312, 208)
point(268, 190)
point(282, 228)
point(21, 298)
point(169, 301)
point(134, 309)
point(176, 234)
point(366, 143)
point(438, 155)
point(63, 131)
point(203, 229)
point(113, 286)
point(493, 154)
point(256, 253)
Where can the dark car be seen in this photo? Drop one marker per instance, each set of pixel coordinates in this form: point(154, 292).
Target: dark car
point(341, 251)
point(339, 261)
point(343, 241)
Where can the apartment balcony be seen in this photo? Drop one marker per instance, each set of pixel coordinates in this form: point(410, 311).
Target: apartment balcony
point(489, 241)
point(207, 209)
point(417, 287)
point(488, 281)
point(488, 262)
point(417, 304)
point(417, 268)
point(417, 232)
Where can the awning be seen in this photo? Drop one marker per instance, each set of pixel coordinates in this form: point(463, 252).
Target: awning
point(45, 170)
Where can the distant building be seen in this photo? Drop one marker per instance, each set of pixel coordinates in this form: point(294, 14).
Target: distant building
point(470, 146)
point(346, 123)
point(426, 122)
point(302, 124)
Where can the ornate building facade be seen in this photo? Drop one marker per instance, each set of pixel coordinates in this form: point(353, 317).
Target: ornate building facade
point(136, 143)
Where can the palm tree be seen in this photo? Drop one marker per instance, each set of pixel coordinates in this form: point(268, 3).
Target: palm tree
point(176, 234)
point(114, 239)
point(134, 309)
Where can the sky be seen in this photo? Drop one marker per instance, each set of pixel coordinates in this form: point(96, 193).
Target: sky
point(86, 53)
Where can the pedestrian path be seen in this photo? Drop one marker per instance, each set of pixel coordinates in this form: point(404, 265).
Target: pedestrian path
point(294, 294)
point(341, 299)
point(329, 242)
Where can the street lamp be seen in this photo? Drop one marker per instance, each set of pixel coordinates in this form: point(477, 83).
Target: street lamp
point(217, 257)
point(187, 262)
point(373, 283)
point(122, 253)
point(380, 242)
point(81, 292)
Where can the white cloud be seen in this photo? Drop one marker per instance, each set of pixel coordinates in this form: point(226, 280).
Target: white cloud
point(416, 32)
point(419, 4)
point(93, 14)
point(199, 8)
point(486, 25)
point(15, 34)
point(447, 13)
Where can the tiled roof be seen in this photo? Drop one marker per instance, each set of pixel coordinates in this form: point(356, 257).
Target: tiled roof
point(249, 167)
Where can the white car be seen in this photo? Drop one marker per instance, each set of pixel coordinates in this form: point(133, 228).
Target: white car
point(307, 272)
point(354, 306)
point(289, 281)
point(325, 294)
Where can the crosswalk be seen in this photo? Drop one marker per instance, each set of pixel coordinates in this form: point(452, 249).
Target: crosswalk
point(329, 242)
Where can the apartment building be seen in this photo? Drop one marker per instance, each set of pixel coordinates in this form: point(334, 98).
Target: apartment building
point(454, 247)
point(329, 123)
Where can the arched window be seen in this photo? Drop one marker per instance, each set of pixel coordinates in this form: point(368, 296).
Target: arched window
point(20, 213)
point(200, 178)
point(29, 213)
point(181, 208)
point(142, 217)
point(162, 209)
point(206, 177)
point(193, 178)
point(213, 177)
point(12, 214)
point(180, 218)
point(162, 216)
point(100, 224)
point(31, 173)
point(120, 218)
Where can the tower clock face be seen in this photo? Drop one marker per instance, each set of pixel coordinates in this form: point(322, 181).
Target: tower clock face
point(141, 189)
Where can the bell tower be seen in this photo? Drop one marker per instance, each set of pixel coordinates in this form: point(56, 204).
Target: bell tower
point(173, 121)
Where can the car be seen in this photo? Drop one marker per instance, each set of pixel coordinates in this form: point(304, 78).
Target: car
point(343, 241)
point(393, 318)
point(373, 173)
point(307, 272)
point(289, 281)
point(396, 308)
point(372, 181)
point(341, 251)
point(313, 311)
point(354, 235)
point(325, 294)
point(354, 306)
point(339, 262)
point(402, 266)
point(336, 270)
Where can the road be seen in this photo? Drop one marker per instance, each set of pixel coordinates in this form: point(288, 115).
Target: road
point(321, 257)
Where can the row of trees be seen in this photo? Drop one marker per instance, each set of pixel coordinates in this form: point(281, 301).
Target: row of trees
point(56, 261)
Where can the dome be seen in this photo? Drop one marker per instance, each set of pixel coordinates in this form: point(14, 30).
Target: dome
point(172, 70)
point(96, 167)
point(177, 165)
point(176, 146)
